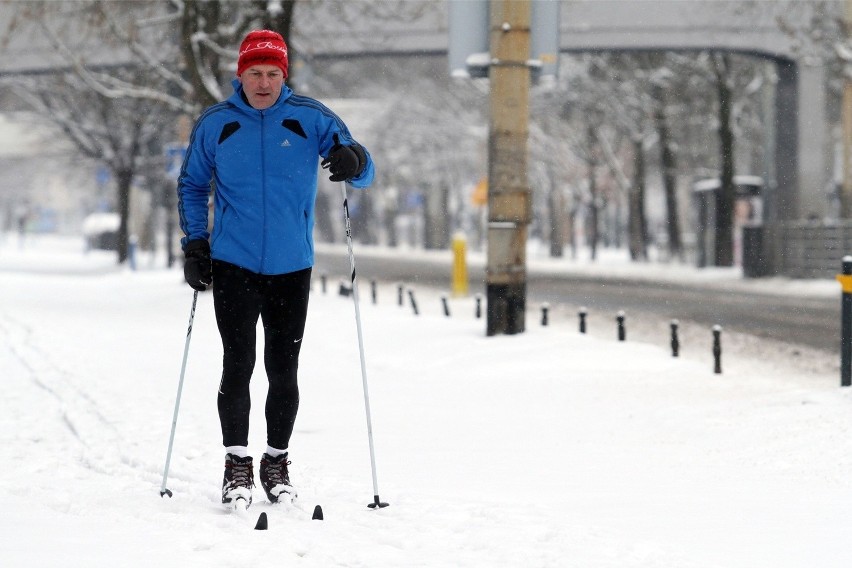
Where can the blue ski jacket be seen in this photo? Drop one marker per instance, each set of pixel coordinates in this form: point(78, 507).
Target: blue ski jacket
point(262, 166)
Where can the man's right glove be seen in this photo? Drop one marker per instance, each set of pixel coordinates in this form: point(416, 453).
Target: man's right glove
point(197, 268)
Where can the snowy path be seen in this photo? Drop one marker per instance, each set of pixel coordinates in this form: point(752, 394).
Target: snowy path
point(546, 449)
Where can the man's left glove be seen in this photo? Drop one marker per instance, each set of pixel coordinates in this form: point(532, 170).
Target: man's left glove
point(344, 162)
point(197, 268)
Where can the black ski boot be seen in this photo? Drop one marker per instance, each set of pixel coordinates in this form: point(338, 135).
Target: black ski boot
point(275, 479)
point(238, 481)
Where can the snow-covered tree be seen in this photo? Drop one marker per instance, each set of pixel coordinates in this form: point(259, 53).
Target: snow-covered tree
point(167, 59)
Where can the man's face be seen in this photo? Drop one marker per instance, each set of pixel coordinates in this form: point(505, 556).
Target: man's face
point(262, 85)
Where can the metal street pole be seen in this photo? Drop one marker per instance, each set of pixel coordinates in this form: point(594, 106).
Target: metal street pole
point(846, 117)
point(509, 200)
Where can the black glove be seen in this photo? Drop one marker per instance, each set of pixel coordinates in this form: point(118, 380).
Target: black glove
point(344, 162)
point(197, 268)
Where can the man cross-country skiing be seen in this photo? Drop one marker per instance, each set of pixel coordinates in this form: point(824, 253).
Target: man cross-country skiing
point(258, 151)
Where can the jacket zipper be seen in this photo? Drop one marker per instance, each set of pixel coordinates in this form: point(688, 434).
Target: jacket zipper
point(263, 193)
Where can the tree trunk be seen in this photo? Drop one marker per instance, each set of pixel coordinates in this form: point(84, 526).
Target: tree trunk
point(592, 229)
point(669, 167)
point(170, 206)
point(571, 221)
point(436, 221)
point(280, 20)
point(123, 179)
point(195, 60)
point(369, 225)
point(724, 249)
point(390, 217)
point(636, 223)
point(209, 18)
point(555, 218)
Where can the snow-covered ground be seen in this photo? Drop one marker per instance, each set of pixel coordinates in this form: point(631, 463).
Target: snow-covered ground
point(549, 448)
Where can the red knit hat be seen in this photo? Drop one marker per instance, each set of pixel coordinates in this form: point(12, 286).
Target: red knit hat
point(262, 47)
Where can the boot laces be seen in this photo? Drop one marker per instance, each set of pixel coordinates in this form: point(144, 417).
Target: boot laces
point(277, 472)
point(241, 474)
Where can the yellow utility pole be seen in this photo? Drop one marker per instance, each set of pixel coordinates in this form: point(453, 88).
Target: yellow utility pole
point(509, 201)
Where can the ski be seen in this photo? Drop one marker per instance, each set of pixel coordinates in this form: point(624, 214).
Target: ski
point(315, 515)
point(262, 523)
point(238, 506)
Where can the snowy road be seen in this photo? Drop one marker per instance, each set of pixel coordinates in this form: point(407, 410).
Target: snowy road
point(755, 307)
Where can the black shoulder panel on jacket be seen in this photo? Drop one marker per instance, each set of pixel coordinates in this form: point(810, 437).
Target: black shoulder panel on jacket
point(295, 126)
point(227, 130)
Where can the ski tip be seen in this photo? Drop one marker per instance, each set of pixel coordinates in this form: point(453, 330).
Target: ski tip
point(317, 516)
point(240, 506)
point(262, 522)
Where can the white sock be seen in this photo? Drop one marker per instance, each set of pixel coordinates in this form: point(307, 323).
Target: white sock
point(239, 451)
point(275, 452)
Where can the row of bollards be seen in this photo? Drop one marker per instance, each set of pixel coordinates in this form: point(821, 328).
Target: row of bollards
point(674, 324)
point(620, 318)
point(621, 328)
point(845, 280)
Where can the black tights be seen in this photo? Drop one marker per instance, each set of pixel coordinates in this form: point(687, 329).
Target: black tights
point(281, 302)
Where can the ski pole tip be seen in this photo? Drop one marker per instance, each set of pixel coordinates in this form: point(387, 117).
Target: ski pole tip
point(377, 503)
point(165, 492)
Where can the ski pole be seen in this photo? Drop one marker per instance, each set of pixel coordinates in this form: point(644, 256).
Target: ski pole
point(377, 503)
point(164, 490)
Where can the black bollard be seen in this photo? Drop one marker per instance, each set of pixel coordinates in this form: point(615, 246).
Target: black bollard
point(675, 341)
point(717, 349)
point(446, 306)
point(478, 312)
point(413, 301)
point(322, 281)
point(399, 295)
point(583, 320)
point(622, 332)
point(544, 308)
point(845, 280)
